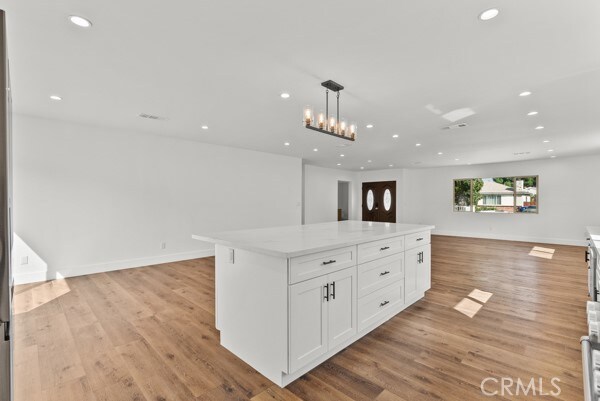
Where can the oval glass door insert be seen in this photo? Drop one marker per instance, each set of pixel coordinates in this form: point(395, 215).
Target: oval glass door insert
point(387, 199)
point(370, 199)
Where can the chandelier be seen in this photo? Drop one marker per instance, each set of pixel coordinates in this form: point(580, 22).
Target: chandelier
point(330, 125)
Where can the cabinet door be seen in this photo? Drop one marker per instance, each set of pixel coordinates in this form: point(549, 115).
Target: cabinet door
point(424, 269)
point(411, 273)
point(342, 306)
point(308, 321)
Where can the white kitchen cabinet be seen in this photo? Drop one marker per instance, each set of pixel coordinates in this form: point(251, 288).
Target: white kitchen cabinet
point(342, 306)
point(322, 315)
point(289, 298)
point(417, 277)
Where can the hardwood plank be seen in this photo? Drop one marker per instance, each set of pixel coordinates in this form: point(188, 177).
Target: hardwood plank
point(275, 393)
point(148, 334)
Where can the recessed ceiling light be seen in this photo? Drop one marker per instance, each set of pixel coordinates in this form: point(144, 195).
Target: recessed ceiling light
point(315, 150)
point(539, 127)
point(286, 144)
point(468, 164)
point(395, 136)
point(550, 150)
point(489, 14)
point(532, 113)
point(552, 157)
point(456, 160)
point(526, 93)
point(204, 127)
point(368, 161)
point(391, 165)
point(55, 97)
point(440, 153)
point(546, 141)
point(285, 95)
point(339, 164)
point(362, 168)
point(417, 144)
point(342, 155)
point(369, 125)
point(80, 21)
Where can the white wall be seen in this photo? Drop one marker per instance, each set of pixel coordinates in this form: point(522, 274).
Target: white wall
point(92, 199)
point(320, 193)
point(569, 200)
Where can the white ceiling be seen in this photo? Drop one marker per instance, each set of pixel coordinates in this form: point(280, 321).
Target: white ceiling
point(404, 64)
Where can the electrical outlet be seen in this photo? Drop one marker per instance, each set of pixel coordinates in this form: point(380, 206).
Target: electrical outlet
point(163, 245)
point(25, 260)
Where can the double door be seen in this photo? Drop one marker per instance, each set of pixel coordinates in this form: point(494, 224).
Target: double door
point(322, 315)
point(379, 201)
point(417, 276)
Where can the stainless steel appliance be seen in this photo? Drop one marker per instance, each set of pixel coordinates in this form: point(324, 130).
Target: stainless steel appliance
point(6, 236)
point(588, 371)
point(591, 257)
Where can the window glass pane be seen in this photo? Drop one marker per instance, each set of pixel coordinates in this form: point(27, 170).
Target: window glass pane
point(462, 196)
point(387, 199)
point(370, 199)
point(494, 195)
point(527, 194)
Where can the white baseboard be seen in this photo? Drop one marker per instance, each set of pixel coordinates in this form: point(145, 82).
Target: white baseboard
point(33, 277)
point(506, 237)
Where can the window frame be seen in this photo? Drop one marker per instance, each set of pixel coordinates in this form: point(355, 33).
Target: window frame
point(514, 178)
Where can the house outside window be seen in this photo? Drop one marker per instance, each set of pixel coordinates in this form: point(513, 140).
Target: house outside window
point(497, 195)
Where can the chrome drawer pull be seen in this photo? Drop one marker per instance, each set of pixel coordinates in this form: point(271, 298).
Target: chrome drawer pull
point(330, 262)
point(384, 248)
point(384, 303)
point(384, 273)
point(419, 239)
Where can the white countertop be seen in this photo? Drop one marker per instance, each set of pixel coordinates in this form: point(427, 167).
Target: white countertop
point(291, 241)
point(594, 233)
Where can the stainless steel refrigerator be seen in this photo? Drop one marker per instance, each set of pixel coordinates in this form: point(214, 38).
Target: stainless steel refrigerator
point(6, 233)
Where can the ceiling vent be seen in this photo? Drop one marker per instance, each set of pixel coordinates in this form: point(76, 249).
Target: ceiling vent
point(149, 116)
point(521, 153)
point(455, 126)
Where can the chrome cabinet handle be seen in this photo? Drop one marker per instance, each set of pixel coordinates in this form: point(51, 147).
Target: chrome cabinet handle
point(384, 273)
point(384, 303)
point(419, 239)
point(329, 262)
point(384, 248)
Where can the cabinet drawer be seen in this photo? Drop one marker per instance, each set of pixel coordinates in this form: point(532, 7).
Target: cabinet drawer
point(316, 264)
point(379, 273)
point(417, 239)
point(379, 249)
point(376, 306)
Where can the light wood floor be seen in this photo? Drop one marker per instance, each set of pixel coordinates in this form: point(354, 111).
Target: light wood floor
point(148, 334)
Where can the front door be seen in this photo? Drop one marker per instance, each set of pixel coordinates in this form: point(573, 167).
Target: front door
point(379, 201)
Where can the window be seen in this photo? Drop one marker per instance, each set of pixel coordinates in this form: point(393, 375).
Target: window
point(497, 195)
point(387, 199)
point(370, 199)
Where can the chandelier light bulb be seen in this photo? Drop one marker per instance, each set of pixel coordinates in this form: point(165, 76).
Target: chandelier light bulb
point(321, 120)
point(353, 130)
point(332, 124)
point(342, 127)
point(308, 115)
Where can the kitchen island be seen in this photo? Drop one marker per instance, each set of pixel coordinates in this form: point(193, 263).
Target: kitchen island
point(289, 298)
